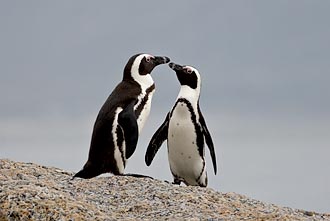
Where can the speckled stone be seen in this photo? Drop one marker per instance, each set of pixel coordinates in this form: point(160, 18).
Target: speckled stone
point(33, 192)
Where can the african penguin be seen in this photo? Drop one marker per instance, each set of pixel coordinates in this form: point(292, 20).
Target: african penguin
point(185, 131)
point(121, 118)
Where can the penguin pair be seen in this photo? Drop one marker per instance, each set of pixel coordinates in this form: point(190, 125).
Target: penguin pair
point(123, 115)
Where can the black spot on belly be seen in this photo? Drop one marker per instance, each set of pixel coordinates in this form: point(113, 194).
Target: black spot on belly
point(177, 124)
point(193, 142)
point(181, 153)
point(189, 157)
point(198, 130)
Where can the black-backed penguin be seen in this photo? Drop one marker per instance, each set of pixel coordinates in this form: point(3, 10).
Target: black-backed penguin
point(121, 118)
point(185, 131)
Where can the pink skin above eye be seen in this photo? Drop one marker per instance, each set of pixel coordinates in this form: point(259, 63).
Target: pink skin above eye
point(189, 70)
point(148, 58)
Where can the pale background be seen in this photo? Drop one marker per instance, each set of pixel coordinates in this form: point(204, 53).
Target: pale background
point(266, 98)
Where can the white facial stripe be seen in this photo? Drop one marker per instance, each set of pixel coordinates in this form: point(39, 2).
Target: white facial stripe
point(144, 80)
point(149, 56)
point(139, 58)
point(136, 64)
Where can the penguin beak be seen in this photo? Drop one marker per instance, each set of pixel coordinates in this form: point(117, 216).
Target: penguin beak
point(161, 60)
point(175, 67)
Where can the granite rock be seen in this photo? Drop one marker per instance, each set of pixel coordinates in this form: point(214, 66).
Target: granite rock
point(33, 192)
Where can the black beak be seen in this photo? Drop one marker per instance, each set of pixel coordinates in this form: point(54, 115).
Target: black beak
point(161, 60)
point(175, 67)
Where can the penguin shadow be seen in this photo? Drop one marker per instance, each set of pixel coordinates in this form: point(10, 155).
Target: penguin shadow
point(128, 174)
point(179, 184)
point(137, 175)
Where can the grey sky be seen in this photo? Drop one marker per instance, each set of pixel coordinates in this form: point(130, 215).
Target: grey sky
point(265, 67)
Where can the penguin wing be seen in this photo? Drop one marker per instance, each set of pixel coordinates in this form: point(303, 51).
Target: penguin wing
point(127, 121)
point(208, 139)
point(157, 140)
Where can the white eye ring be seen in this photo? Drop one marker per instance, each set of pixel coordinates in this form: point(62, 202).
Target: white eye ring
point(189, 71)
point(148, 59)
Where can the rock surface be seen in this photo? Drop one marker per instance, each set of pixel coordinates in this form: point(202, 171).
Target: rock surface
point(33, 192)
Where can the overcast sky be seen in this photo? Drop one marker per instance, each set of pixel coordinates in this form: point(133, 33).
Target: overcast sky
point(265, 69)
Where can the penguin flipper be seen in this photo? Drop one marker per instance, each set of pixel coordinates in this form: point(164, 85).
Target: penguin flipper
point(157, 140)
point(127, 121)
point(208, 140)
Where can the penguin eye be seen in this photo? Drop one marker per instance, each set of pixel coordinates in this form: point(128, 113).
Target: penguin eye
point(189, 71)
point(148, 59)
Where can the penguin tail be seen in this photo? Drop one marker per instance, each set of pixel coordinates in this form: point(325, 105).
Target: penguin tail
point(82, 174)
point(87, 172)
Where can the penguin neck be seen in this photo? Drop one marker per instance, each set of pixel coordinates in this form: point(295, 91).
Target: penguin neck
point(145, 81)
point(192, 95)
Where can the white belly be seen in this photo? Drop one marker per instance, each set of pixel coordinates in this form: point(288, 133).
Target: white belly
point(184, 158)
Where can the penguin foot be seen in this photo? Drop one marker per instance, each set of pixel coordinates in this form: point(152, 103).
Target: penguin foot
point(176, 182)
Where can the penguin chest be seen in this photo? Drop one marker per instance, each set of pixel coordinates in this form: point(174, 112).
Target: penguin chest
point(183, 153)
point(142, 108)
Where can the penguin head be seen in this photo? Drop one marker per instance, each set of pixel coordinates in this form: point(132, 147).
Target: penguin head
point(187, 75)
point(141, 65)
